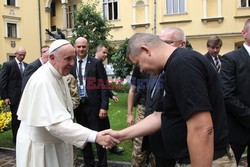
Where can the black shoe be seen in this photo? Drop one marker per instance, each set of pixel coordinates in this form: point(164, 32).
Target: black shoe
point(116, 150)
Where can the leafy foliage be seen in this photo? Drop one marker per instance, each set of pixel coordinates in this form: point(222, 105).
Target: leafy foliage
point(122, 67)
point(89, 23)
point(120, 87)
point(188, 45)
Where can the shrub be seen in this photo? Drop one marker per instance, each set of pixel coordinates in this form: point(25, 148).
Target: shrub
point(5, 116)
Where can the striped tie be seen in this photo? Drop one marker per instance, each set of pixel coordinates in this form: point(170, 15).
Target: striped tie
point(217, 64)
point(21, 68)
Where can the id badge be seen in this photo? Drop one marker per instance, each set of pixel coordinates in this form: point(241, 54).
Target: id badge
point(82, 91)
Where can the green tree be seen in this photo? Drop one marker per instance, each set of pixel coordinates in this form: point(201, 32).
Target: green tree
point(122, 67)
point(89, 23)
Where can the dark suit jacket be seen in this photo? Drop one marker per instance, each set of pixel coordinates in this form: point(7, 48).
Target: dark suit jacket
point(11, 81)
point(95, 76)
point(110, 94)
point(29, 70)
point(155, 104)
point(236, 88)
point(209, 57)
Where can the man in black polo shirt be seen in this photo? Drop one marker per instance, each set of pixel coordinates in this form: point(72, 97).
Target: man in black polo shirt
point(173, 36)
point(193, 123)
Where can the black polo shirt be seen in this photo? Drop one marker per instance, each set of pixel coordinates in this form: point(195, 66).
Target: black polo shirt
point(191, 84)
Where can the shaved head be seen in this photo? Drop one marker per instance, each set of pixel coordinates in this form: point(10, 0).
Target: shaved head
point(81, 47)
point(20, 53)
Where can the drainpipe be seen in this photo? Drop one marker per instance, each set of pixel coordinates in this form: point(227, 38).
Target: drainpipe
point(40, 28)
point(154, 17)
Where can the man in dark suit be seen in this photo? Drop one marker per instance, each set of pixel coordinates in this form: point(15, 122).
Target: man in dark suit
point(214, 44)
point(236, 88)
point(102, 54)
point(11, 80)
point(32, 67)
point(92, 111)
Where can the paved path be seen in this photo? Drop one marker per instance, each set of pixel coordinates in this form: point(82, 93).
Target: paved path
point(8, 159)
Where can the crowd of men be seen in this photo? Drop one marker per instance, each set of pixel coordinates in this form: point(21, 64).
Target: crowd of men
point(192, 109)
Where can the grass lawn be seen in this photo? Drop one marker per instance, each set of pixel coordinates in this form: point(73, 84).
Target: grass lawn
point(6, 139)
point(118, 120)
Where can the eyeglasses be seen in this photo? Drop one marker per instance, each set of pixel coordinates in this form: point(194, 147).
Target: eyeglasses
point(171, 42)
point(19, 54)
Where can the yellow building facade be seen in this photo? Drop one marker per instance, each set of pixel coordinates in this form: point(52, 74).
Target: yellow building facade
point(23, 22)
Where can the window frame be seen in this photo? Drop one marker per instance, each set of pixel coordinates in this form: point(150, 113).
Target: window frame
point(247, 4)
point(11, 30)
point(10, 56)
point(53, 9)
point(15, 2)
point(173, 12)
point(70, 15)
point(12, 21)
point(106, 9)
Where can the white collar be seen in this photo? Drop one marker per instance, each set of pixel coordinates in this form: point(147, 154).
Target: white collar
point(84, 59)
point(247, 48)
point(18, 61)
point(54, 71)
point(214, 57)
point(41, 61)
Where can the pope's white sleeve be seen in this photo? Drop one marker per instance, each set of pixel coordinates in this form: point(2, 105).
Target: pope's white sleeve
point(72, 133)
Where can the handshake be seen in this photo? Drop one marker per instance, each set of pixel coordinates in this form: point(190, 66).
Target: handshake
point(108, 138)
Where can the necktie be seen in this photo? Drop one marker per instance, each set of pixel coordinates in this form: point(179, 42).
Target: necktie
point(21, 68)
point(80, 72)
point(156, 86)
point(217, 64)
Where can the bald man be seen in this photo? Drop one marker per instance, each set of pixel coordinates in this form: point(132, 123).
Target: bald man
point(173, 36)
point(11, 83)
point(92, 111)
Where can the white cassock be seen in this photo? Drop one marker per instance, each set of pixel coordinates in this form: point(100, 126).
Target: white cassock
point(47, 132)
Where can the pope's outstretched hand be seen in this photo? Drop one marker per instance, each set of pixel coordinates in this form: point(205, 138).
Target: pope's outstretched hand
point(106, 140)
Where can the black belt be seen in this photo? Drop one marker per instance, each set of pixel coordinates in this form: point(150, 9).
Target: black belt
point(217, 154)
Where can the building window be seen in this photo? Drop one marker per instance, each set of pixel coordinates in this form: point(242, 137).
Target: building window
point(53, 28)
point(11, 2)
point(110, 9)
point(175, 6)
point(244, 3)
point(70, 16)
point(11, 56)
point(12, 30)
point(53, 8)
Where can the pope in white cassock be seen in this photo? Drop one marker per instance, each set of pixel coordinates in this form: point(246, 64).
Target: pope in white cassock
point(47, 130)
